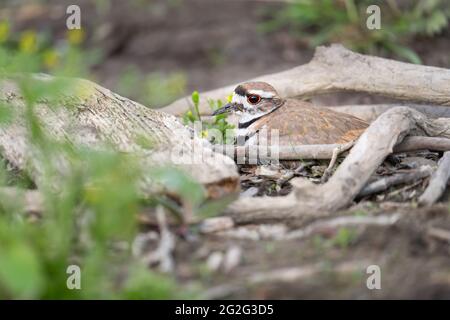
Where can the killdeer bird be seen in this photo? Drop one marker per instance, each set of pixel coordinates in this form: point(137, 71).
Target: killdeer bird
point(258, 106)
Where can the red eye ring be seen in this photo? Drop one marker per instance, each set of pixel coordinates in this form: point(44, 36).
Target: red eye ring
point(253, 98)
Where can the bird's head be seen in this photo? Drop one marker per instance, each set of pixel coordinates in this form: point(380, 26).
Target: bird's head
point(252, 100)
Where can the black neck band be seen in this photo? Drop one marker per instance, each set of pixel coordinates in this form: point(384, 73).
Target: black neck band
point(248, 123)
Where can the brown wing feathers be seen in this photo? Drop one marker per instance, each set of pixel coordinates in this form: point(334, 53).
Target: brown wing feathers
point(301, 123)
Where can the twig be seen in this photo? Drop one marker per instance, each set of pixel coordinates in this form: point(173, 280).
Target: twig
point(290, 174)
point(163, 254)
point(288, 274)
point(279, 232)
point(336, 152)
point(256, 232)
point(438, 233)
point(400, 178)
point(306, 272)
point(438, 182)
point(381, 220)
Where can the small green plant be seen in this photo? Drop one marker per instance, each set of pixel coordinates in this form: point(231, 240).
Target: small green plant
point(325, 21)
point(219, 122)
point(344, 238)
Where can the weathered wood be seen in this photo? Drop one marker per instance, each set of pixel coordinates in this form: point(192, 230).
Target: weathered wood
point(396, 179)
point(336, 68)
point(96, 117)
point(438, 182)
point(325, 151)
point(372, 111)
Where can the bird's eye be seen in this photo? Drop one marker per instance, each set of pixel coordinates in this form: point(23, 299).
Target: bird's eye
point(253, 98)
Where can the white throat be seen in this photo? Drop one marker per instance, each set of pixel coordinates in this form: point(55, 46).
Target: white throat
point(246, 117)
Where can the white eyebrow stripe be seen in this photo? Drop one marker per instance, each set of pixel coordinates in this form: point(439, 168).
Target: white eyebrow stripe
point(262, 93)
point(238, 98)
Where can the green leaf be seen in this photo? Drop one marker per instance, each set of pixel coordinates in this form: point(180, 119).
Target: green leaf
point(195, 97)
point(20, 271)
point(405, 53)
point(145, 284)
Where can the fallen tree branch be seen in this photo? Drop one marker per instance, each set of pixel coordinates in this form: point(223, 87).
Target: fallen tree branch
point(334, 156)
point(396, 179)
point(325, 151)
point(439, 233)
point(279, 232)
point(336, 68)
point(286, 275)
point(372, 111)
point(414, 143)
point(345, 221)
point(94, 117)
point(369, 152)
point(438, 182)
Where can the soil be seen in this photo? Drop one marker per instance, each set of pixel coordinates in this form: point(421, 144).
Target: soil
point(216, 42)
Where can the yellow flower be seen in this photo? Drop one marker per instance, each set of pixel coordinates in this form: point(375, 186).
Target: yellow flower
point(4, 31)
point(28, 42)
point(76, 36)
point(50, 58)
point(205, 134)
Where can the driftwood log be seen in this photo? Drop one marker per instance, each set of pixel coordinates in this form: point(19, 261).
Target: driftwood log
point(336, 68)
point(372, 111)
point(325, 151)
point(93, 116)
point(438, 182)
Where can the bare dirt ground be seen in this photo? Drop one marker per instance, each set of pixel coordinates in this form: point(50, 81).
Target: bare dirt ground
point(215, 43)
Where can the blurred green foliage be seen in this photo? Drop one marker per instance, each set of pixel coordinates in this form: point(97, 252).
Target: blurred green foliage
point(154, 89)
point(90, 211)
point(344, 21)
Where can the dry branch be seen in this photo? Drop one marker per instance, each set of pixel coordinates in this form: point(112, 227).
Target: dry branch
point(438, 182)
point(396, 179)
point(372, 147)
point(336, 68)
point(370, 112)
point(162, 256)
point(344, 221)
point(93, 116)
point(286, 275)
point(439, 233)
point(334, 156)
point(325, 151)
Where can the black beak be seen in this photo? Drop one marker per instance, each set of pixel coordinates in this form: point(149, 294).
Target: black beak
point(228, 108)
